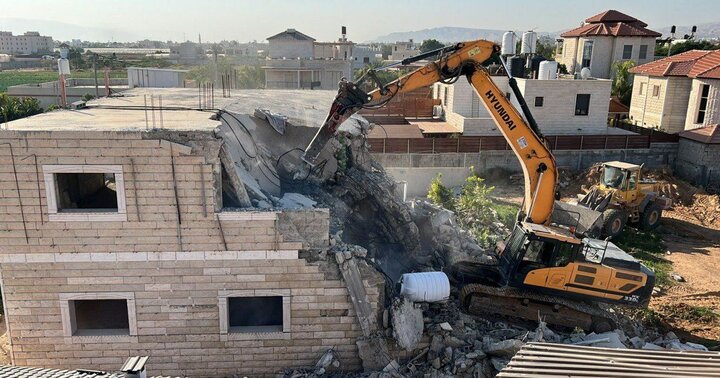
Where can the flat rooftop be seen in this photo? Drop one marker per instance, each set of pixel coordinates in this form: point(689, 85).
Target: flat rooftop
point(181, 110)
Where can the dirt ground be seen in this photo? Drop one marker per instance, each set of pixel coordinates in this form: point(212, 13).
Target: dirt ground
point(691, 234)
point(4, 344)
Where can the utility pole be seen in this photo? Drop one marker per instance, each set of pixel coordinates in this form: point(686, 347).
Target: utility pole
point(97, 91)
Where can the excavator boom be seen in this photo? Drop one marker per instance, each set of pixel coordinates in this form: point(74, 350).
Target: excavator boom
point(466, 59)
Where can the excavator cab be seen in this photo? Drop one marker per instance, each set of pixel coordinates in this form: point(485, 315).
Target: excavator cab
point(531, 247)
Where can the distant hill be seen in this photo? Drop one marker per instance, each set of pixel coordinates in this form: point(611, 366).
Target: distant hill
point(447, 34)
point(705, 31)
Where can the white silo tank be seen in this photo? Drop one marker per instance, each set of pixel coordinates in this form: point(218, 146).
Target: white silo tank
point(529, 43)
point(508, 43)
point(63, 66)
point(548, 70)
point(585, 73)
point(425, 286)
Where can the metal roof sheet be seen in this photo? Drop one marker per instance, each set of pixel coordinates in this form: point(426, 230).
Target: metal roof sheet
point(567, 360)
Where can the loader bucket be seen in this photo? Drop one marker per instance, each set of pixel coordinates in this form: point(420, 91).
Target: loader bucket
point(586, 222)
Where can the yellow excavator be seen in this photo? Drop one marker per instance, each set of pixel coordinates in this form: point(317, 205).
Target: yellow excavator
point(543, 267)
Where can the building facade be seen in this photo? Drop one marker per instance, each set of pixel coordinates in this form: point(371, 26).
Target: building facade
point(698, 157)
point(604, 39)
point(297, 61)
point(402, 50)
point(563, 106)
point(116, 242)
point(29, 43)
point(677, 93)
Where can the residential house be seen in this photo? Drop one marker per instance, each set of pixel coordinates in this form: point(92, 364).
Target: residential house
point(297, 61)
point(604, 39)
point(677, 93)
point(120, 238)
point(402, 50)
point(562, 106)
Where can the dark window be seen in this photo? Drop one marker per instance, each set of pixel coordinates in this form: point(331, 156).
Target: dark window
point(539, 101)
point(86, 191)
point(366, 59)
point(704, 93)
point(99, 317)
point(582, 104)
point(656, 91)
point(627, 52)
point(255, 314)
point(643, 52)
point(587, 53)
point(564, 254)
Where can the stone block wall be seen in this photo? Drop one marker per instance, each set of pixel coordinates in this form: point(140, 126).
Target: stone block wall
point(174, 255)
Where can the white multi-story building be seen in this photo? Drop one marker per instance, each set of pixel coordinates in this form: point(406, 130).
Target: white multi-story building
point(29, 43)
point(402, 50)
point(297, 61)
point(561, 106)
point(604, 39)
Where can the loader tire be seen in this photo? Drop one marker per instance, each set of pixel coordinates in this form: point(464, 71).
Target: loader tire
point(614, 223)
point(650, 218)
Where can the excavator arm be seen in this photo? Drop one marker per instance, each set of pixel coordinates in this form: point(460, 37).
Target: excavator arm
point(466, 59)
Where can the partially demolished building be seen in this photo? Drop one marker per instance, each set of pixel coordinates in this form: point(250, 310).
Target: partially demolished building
point(162, 231)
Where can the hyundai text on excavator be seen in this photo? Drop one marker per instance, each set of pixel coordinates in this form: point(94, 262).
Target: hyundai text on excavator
point(543, 268)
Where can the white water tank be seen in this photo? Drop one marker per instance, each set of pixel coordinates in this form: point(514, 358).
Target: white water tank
point(529, 43)
point(508, 43)
point(585, 73)
point(425, 286)
point(63, 66)
point(548, 70)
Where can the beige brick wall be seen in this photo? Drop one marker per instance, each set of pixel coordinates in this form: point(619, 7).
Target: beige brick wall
point(667, 110)
point(174, 277)
point(177, 315)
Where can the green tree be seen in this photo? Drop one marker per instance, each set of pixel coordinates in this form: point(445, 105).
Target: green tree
point(439, 194)
point(385, 76)
point(251, 77)
point(474, 207)
point(12, 108)
point(430, 44)
point(661, 49)
point(622, 80)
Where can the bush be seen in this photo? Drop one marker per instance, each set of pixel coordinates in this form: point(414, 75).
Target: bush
point(439, 194)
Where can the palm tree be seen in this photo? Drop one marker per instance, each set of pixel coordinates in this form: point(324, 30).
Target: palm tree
point(622, 81)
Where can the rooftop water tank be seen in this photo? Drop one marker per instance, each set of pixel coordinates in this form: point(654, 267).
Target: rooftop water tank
point(529, 43)
point(585, 73)
point(516, 65)
point(548, 70)
point(425, 286)
point(535, 61)
point(508, 43)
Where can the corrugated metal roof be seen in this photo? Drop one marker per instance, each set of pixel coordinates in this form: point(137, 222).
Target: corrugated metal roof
point(7, 371)
point(565, 360)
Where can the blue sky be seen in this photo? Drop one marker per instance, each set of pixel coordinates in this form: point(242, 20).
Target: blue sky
point(247, 20)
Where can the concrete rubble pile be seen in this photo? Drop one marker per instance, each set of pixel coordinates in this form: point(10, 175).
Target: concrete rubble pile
point(375, 237)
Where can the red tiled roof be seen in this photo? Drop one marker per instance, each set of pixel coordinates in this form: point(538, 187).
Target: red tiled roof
point(703, 64)
point(617, 107)
point(707, 134)
point(612, 16)
point(611, 23)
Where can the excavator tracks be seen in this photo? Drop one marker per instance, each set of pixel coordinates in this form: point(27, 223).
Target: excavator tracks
point(479, 299)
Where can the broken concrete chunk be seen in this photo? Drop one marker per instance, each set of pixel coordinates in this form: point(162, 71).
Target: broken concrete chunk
point(445, 326)
point(651, 346)
point(604, 340)
point(678, 277)
point(499, 363)
point(296, 201)
point(505, 348)
point(276, 120)
point(407, 322)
